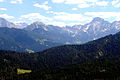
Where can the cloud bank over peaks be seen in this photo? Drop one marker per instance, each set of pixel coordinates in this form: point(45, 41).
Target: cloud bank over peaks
point(35, 16)
point(64, 16)
point(6, 16)
point(104, 15)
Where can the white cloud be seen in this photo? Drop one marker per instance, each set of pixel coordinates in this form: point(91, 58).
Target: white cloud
point(62, 24)
point(102, 3)
point(16, 1)
point(58, 1)
point(103, 14)
point(84, 5)
point(57, 13)
point(43, 6)
point(74, 9)
point(63, 16)
point(90, 0)
point(16, 22)
point(55, 23)
point(34, 16)
point(6, 16)
point(3, 9)
point(73, 24)
point(1, 0)
point(46, 2)
point(87, 3)
point(115, 15)
point(79, 1)
point(116, 3)
point(70, 17)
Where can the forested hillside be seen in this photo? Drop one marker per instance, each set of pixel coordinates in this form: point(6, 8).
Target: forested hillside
point(93, 60)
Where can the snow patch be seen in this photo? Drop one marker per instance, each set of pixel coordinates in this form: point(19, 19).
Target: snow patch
point(85, 29)
point(45, 28)
point(104, 30)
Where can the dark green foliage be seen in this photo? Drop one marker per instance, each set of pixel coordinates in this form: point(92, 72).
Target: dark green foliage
point(96, 60)
point(103, 69)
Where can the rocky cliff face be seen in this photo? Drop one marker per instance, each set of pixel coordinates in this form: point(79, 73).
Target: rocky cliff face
point(5, 23)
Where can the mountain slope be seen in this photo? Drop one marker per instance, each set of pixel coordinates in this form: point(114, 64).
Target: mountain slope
point(97, 28)
point(22, 24)
point(73, 54)
point(5, 23)
point(98, 59)
point(21, 40)
point(46, 36)
point(51, 32)
point(76, 34)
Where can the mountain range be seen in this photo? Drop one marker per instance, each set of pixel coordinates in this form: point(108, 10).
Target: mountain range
point(95, 60)
point(39, 36)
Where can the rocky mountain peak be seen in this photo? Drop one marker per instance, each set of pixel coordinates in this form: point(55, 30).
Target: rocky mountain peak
point(5, 23)
point(97, 19)
point(39, 23)
point(22, 24)
point(35, 25)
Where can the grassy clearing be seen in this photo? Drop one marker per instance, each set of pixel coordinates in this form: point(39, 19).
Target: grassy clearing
point(22, 71)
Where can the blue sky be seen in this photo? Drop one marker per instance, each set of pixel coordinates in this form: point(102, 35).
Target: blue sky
point(59, 12)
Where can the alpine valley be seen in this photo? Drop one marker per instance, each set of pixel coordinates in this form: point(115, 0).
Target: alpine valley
point(79, 52)
point(59, 39)
point(95, 60)
point(38, 36)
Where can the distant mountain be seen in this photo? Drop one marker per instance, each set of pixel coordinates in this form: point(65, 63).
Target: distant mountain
point(35, 25)
point(77, 34)
point(51, 32)
point(97, 28)
point(21, 40)
point(5, 23)
point(22, 24)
